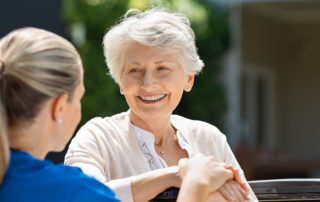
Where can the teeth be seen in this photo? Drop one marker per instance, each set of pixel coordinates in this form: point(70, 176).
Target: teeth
point(151, 98)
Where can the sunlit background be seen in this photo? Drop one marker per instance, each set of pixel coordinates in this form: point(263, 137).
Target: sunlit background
point(261, 81)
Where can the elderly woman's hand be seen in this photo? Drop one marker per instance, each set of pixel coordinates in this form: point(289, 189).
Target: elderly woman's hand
point(231, 190)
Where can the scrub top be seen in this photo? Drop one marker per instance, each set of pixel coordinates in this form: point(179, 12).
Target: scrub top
point(30, 179)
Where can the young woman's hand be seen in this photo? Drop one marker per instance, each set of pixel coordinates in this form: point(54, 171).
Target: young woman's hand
point(202, 175)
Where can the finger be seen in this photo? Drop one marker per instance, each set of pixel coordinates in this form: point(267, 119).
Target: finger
point(232, 192)
point(225, 194)
point(245, 188)
point(215, 197)
point(243, 183)
point(237, 175)
point(228, 166)
point(239, 191)
point(229, 174)
point(182, 162)
point(245, 193)
point(238, 178)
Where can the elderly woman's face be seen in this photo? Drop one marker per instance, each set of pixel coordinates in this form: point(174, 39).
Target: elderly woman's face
point(152, 81)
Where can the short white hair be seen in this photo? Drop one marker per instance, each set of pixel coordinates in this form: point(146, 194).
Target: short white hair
point(170, 32)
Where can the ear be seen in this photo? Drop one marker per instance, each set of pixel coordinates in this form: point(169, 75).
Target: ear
point(58, 107)
point(188, 82)
point(121, 90)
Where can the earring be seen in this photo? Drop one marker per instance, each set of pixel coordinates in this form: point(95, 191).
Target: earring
point(59, 121)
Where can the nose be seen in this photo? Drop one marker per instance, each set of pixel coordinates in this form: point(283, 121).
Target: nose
point(148, 80)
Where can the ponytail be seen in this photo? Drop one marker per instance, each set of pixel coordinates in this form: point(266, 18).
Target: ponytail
point(4, 143)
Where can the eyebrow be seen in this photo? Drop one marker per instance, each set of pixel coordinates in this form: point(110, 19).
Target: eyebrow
point(163, 61)
point(158, 62)
point(134, 63)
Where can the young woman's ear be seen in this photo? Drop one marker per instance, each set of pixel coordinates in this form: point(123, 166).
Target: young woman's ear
point(189, 82)
point(58, 108)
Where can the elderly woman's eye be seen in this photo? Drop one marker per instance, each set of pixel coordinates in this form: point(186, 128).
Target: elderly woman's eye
point(161, 68)
point(133, 70)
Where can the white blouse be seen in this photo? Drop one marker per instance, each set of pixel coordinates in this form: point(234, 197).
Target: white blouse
point(151, 157)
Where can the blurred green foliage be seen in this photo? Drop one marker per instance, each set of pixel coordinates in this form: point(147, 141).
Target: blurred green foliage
point(102, 98)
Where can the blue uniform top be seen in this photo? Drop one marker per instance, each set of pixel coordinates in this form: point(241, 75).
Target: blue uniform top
point(31, 179)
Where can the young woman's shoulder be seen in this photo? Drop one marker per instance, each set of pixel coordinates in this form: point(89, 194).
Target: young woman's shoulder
point(88, 188)
point(82, 187)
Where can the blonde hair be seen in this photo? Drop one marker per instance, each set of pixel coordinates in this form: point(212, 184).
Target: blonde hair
point(170, 32)
point(4, 144)
point(35, 66)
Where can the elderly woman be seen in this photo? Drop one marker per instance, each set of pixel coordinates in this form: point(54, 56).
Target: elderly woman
point(41, 85)
point(153, 58)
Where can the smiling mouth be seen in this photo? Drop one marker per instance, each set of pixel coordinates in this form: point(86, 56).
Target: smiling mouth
point(151, 99)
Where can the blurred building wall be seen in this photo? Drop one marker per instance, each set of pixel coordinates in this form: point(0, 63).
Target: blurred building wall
point(278, 48)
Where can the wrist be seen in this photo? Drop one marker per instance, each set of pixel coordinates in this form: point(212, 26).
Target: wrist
point(194, 188)
point(202, 184)
point(173, 176)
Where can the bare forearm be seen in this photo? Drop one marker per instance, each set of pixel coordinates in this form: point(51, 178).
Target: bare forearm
point(148, 185)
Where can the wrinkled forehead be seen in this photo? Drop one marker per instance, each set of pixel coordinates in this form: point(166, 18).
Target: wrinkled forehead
point(134, 52)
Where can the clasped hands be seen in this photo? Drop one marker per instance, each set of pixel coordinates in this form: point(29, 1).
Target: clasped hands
point(218, 181)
